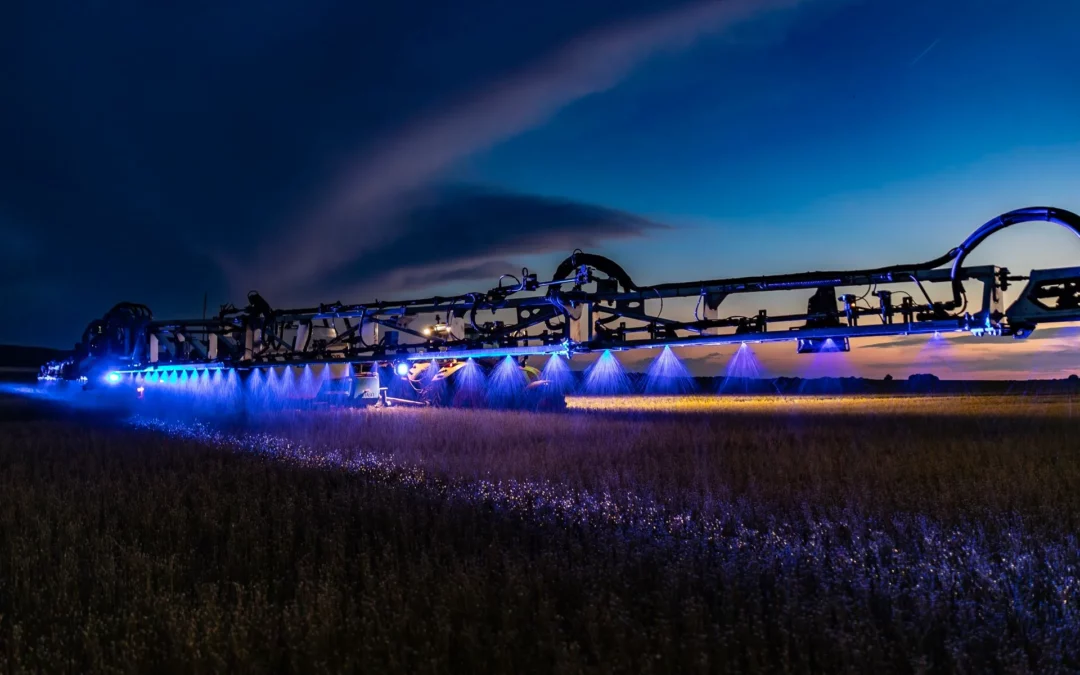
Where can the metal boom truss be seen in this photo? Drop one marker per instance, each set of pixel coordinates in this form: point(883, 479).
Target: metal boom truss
point(592, 304)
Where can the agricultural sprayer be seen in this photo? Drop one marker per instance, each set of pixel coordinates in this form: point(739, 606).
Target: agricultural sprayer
point(421, 351)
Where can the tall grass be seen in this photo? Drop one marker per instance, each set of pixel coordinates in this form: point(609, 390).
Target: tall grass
point(915, 538)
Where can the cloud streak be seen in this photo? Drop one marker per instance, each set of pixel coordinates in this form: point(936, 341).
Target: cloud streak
point(468, 233)
point(376, 187)
point(924, 53)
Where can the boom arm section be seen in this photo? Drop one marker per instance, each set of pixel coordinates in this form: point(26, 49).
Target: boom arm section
point(591, 303)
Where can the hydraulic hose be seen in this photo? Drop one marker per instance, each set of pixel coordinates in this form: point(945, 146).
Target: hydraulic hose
point(1066, 219)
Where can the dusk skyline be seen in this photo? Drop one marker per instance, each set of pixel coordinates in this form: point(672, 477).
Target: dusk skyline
point(324, 152)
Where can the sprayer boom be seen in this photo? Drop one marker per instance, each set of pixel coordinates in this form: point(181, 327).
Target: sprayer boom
point(589, 304)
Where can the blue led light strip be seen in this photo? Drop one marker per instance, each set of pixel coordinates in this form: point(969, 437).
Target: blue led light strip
point(491, 352)
point(170, 368)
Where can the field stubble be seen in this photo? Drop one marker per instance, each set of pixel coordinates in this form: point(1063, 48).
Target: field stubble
point(761, 535)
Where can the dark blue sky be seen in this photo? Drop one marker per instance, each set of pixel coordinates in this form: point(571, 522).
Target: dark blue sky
point(321, 151)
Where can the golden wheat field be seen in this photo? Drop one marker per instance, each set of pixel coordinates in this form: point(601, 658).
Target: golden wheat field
point(852, 404)
point(626, 535)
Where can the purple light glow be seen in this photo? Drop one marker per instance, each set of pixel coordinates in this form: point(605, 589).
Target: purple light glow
point(606, 377)
point(826, 370)
point(934, 355)
point(742, 371)
point(310, 381)
point(506, 384)
point(557, 372)
point(470, 385)
point(668, 375)
point(256, 389)
point(435, 387)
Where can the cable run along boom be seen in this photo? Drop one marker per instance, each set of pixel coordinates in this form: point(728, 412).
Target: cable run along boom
point(590, 304)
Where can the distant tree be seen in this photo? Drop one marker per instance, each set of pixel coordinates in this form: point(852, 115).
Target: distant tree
point(923, 382)
point(1074, 378)
point(888, 378)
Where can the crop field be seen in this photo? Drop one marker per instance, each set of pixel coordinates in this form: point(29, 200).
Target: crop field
point(628, 534)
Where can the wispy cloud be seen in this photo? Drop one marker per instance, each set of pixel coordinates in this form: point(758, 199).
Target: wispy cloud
point(486, 270)
point(382, 181)
point(467, 233)
point(924, 52)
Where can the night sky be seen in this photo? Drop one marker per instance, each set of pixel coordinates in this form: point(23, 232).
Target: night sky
point(323, 151)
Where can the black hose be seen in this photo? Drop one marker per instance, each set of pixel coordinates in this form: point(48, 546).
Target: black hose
point(1066, 219)
point(599, 262)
